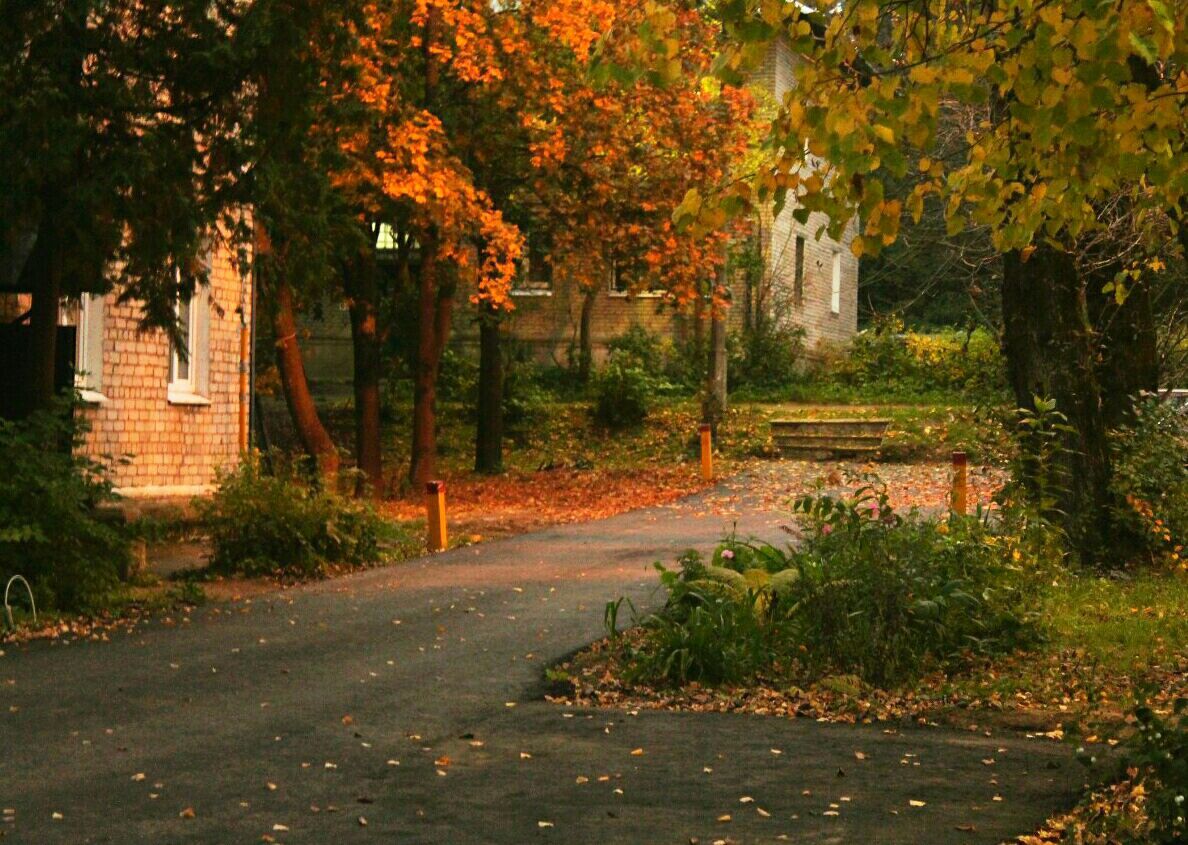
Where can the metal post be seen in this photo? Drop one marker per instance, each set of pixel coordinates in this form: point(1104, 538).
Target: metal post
point(244, 397)
point(960, 498)
point(707, 452)
point(435, 511)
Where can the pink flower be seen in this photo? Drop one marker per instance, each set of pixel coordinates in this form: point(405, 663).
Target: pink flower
point(827, 529)
point(726, 553)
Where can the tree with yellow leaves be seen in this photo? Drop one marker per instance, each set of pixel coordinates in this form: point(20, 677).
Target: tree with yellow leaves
point(1082, 115)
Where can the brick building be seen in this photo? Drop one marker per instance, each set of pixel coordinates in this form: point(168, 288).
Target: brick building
point(165, 421)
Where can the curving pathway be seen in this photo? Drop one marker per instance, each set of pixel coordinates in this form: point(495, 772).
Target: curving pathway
point(402, 705)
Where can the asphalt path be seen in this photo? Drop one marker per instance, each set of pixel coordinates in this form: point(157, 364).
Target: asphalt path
point(404, 705)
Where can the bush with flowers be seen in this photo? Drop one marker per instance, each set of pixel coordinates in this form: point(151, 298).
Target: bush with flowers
point(1149, 804)
point(1158, 758)
point(867, 592)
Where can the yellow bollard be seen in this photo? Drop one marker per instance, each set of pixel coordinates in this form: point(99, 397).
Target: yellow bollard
point(960, 498)
point(707, 452)
point(435, 510)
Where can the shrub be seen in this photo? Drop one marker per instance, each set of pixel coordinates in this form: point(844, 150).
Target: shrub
point(1150, 806)
point(622, 394)
point(868, 593)
point(262, 524)
point(766, 357)
point(710, 635)
point(49, 530)
point(1159, 750)
point(886, 597)
point(892, 360)
point(458, 376)
point(640, 348)
point(525, 403)
point(1151, 479)
point(675, 367)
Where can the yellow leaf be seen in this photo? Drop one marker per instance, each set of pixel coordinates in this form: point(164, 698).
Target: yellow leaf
point(923, 74)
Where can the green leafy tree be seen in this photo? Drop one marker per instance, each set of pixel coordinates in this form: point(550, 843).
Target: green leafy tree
point(119, 137)
point(1075, 166)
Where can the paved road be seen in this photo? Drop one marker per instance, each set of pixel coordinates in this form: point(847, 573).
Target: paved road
point(403, 705)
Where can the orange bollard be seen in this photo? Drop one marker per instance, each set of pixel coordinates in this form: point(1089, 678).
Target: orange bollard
point(435, 511)
point(707, 452)
point(960, 498)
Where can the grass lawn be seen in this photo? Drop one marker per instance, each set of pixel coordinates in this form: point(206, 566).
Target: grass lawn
point(562, 434)
point(1122, 625)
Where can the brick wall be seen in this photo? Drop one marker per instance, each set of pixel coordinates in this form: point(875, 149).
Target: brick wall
point(548, 324)
point(813, 310)
point(172, 448)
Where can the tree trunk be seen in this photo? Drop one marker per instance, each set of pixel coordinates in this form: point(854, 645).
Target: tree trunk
point(714, 402)
point(362, 287)
point(585, 341)
point(435, 303)
point(315, 440)
point(1055, 349)
point(43, 275)
point(488, 443)
point(1129, 357)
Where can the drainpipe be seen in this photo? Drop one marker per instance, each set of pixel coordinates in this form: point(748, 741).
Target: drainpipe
point(252, 354)
point(246, 332)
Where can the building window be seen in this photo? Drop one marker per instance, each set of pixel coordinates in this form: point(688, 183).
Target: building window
point(616, 279)
point(385, 239)
point(86, 316)
point(798, 279)
point(188, 356)
point(88, 357)
point(835, 295)
point(624, 276)
point(535, 274)
point(182, 355)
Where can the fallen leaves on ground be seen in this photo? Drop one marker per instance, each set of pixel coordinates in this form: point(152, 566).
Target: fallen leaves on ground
point(520, 502)
point(1034, 692)
point(773, 485)
point(1120, 806)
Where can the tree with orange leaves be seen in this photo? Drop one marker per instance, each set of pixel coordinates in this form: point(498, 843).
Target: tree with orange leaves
point(459, 125)
point(483, 121)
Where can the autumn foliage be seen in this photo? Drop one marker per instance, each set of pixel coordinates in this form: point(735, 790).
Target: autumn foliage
point(466, 127)
point(450, 91)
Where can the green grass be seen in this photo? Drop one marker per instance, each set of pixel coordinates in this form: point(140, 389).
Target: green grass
point(564, 433)
point(1123, 625)
point(823, 391)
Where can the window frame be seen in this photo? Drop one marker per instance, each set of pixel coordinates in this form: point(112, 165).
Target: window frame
point(528, 280)
point(836, 285)
point(192, 389)
point(800, 248)
point(87, 317)
point(625, 292)
point(183, 385)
